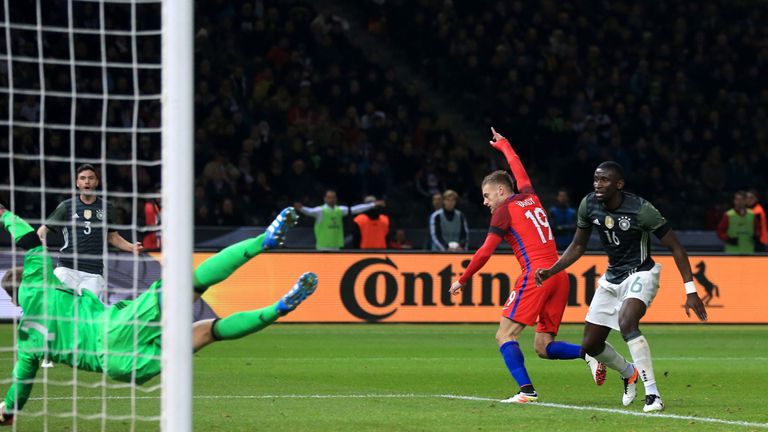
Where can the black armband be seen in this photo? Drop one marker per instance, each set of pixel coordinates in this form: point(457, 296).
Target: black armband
point(213, 330)
point(29, 241)
point(662, 231)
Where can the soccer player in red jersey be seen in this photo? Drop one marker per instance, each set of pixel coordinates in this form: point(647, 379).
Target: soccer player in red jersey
point(520, 219)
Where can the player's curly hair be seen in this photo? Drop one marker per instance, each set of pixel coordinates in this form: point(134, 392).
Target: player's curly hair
point(613, 166)
point(500, 177)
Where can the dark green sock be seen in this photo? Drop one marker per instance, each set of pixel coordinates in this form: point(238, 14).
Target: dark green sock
point(220, 266)
point(242, 324)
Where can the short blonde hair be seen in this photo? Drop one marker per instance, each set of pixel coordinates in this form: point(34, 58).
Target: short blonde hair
point(450, 193)
point(500, 177)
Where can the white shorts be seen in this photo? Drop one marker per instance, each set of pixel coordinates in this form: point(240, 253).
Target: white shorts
point(80, 280)
point(605, 306)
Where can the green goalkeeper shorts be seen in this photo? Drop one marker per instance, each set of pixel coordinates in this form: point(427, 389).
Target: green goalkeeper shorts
point(134, 338)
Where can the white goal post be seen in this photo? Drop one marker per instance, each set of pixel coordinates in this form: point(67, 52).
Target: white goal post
point(177, 155)
point(65, 68)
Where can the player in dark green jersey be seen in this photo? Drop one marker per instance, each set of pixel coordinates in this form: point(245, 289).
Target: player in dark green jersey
point(82, 221)
point(624, 222)
point(123, 340)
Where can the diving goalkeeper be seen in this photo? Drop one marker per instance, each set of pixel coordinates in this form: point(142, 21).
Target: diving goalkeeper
point(122, 340)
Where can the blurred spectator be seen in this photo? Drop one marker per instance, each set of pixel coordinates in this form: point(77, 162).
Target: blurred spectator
point(436, 204)
point(220, 176)
point(227, 214)
point(739, 228)
point(298, 182)
point(371, 228)
point(666, 86)
point(400, 240)
point(648, 86)
point(562, 217)
point(437, 201)
point(152, 211)
point(203, 216)
point(329, 224)
point(428, 179)
point(448, 226)
point(757, 209)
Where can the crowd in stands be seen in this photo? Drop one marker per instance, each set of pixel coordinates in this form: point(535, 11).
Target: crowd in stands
point(675, 91)
point(75, 96)
point(286, 107)
point(294, 109)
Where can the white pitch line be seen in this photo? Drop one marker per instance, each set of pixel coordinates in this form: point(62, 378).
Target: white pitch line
point(711, 358)
point(494, 358)
point(443, 396)
point(316, 359)
point(623, 412)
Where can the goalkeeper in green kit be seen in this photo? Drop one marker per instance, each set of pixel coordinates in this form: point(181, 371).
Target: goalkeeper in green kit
point(122, 340)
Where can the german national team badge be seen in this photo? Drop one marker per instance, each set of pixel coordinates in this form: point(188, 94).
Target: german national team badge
point(87, 214)
point(624, 223)
point(100, 214)
point(608, 222)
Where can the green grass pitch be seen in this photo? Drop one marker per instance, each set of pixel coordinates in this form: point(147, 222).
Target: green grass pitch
point(429, 378)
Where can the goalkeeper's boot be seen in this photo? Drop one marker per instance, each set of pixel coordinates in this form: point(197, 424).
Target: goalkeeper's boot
point(522, 397)
point(275, 234)
point(653, 403)
point(304, 288)
point(597, 368)
point(630, 388)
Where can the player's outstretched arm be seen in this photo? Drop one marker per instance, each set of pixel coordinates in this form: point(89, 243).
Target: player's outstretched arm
point(115, 239)
point(361, 208)
point(313, 212)
point(18, 394)
point(479, 259)
point(692, 300)
point(501, 144)
point(575, 250)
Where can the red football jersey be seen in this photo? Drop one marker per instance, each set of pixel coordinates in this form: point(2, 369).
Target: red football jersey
point(523, 223)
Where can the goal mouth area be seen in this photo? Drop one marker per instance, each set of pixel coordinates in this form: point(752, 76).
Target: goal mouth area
point(84, 82)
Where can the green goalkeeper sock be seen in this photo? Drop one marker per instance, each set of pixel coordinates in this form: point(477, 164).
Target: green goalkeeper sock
point(15, 225)
point(242, 324)
point(220, 266)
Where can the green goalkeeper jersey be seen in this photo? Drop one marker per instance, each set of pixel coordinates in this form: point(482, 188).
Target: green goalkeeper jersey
point(123, 340)
point(56, 322)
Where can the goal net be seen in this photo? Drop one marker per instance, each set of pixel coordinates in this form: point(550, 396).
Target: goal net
point(81, 82)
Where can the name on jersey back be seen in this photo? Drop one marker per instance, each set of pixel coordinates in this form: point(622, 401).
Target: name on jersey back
point(526, 202)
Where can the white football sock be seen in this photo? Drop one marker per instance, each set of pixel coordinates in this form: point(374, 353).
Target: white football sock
point(641, 355)
point(614, 360)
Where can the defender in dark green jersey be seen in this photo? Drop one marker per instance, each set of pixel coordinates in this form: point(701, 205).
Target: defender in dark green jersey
point(123, 340)
point(624, 222)
point(82, 221)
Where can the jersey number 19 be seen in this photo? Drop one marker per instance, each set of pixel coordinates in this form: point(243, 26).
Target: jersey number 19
point(539, 218)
